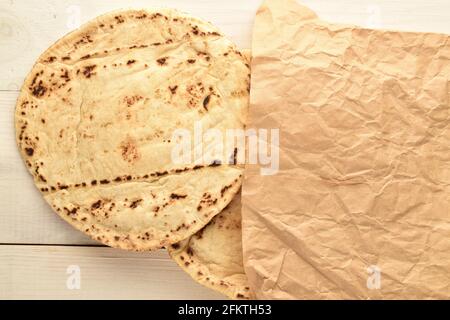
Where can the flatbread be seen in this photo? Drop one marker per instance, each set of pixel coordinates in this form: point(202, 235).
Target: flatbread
point(213, 256)
point(96, 115)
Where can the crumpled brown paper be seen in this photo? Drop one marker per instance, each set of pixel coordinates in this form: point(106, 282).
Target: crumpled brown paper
point(360, 207)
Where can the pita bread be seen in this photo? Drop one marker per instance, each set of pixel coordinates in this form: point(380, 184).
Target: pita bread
point(213, 256)
point(95, 118)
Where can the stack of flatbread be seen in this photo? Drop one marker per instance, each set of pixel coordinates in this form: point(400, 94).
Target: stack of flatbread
point(95, 123)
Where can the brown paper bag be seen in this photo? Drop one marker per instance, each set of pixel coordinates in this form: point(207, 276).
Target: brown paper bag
point(360, 205)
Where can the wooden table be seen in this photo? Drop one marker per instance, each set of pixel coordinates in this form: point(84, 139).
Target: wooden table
point(38, 249)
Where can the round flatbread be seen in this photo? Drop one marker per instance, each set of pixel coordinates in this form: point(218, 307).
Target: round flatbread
point(96, 117)
point(213, 256)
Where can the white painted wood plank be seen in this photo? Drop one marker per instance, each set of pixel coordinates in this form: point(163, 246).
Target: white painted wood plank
point(40, 272)
point(25, 217)
point(411, 15)
point(27, 28)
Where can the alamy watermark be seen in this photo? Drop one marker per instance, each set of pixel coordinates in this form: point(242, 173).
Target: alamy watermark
point(73, 281)
point(374, 278)
point(230, 146)
point(374, 17)
point(73, 17)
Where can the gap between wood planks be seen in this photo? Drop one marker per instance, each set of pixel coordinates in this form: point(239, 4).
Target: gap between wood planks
point(52, 245)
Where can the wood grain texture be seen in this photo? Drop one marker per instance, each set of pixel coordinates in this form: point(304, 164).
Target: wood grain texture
point(24, 215)
point(23, 37)
point(27, 28)
point(40, 272)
